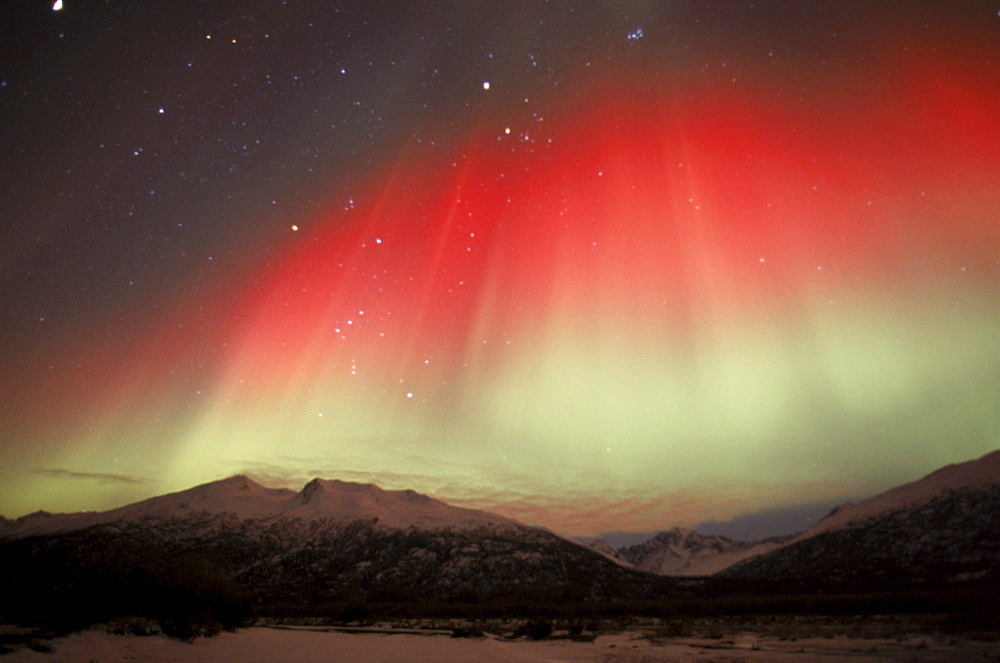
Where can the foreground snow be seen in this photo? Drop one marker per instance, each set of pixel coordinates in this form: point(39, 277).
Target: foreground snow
point(294, 646)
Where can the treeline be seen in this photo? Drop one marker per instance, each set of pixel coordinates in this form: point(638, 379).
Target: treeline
point(981, 602)
point(71, 581)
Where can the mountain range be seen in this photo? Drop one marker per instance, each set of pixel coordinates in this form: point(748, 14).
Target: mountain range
point(233, 547)
point(943, 525)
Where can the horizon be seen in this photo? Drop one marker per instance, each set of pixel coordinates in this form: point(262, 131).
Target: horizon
point(602, 267)
point(780, 521)
point(743, 527)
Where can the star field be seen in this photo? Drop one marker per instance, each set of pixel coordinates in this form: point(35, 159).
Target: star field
point(592, 265)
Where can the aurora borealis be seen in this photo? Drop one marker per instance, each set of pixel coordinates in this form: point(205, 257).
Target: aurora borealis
point(596, 266)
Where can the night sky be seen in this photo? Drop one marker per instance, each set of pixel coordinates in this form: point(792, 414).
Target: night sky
point(593, 265)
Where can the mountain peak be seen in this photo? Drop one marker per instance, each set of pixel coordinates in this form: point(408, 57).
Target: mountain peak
point(392, 508)
point(677, 534)
point(310, 490)
point(318, 487)
point(238, 482)
point(681, 551)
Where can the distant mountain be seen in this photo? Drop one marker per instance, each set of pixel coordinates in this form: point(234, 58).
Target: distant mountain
point(938, 530)
point(236, 545)
point(684, 552)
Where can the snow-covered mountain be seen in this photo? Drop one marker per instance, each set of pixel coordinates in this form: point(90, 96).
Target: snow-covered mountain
point(393, 508)
point(244, 498)
point(684, 552)
point(236, 546)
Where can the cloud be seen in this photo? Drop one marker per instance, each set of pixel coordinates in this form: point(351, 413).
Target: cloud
point(572, 505)
point(784, 519)
point(99, 477)
point(291, 472)
point(588, 513)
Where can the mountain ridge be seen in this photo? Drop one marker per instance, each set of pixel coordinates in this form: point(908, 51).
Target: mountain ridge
point(235, 547)
point(938, 529)
point(243, 497)
point(685, 552)
point(677, 551)
point(982, 470)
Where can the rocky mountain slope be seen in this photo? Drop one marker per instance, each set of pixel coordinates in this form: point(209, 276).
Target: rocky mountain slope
point(950, 538)
point(979, 472)
point(938, 530)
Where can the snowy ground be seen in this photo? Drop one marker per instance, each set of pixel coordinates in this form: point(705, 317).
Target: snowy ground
point(254, 645)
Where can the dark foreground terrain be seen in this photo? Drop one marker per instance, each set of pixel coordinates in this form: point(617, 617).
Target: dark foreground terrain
point(782, 638)
point(199, 577)
point(919, 560)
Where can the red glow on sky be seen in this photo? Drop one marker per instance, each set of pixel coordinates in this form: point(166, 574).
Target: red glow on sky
point(631, 208)
point(638, 272)
point(642, 209)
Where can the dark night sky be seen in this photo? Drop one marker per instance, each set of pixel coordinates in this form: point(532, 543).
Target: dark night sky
point(596, 265)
